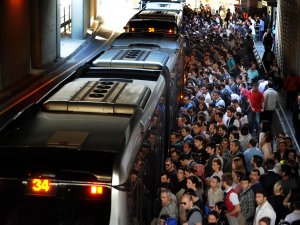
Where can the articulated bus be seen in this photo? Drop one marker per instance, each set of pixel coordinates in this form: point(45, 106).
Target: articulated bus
point(93, 147)
point(155, 21)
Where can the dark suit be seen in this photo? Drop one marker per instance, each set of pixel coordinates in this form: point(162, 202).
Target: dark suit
point(268, 180)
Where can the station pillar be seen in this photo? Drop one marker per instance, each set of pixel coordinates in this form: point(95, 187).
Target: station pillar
point(80, 18)
point(45, 32)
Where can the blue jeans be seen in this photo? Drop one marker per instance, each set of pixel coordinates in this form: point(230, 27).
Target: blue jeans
point(254, 121)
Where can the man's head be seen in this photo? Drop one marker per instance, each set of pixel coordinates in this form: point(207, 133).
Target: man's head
point(212, 128)
point(186, 201)
point(199, 141)
point(186, 100)
point(214, 182)
point(245, 182)
point(164, 178)
point(222, 130)
point(261, 197)
point(174, 137)
point(204, 89)
point(286, 171)
point(269, 164)
point(230, 111)
point(169, 165)
point(234, 146)
point(227, 180)
point(196, 128)
point(254, 176)
point(174, 155)
point(181, 173)
point(165, 197)
point(187, 147)
point(256, 161)
point(252, 143)
point(255, 86)
point(219, 116)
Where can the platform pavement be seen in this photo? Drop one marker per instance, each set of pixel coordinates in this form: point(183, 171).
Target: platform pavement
point(282, 94)
point(68, 45)
point(260, 48)
point(68, 48)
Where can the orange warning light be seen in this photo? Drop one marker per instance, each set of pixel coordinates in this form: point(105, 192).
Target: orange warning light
point(96, 190)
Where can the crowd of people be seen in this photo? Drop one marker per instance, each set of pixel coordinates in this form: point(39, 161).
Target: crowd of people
point(224, 166)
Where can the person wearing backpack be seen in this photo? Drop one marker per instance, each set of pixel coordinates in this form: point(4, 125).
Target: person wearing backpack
point(193, 214)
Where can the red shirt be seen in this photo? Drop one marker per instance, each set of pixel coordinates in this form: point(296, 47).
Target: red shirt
point(256, 98)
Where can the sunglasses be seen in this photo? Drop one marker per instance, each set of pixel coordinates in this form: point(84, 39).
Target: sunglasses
point(183, 203)
point(167, 164)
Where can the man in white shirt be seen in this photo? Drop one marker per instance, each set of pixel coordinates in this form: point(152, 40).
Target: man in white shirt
point(263, 209)
point(262, 84)
point(271, 102)
point(295, 215)
point(206, 94)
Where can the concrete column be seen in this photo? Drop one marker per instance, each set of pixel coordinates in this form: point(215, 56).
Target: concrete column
point(14, 41)
point(80, 18)
point(45, 39)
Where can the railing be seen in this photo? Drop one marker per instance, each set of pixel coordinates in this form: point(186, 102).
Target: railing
point(66, 21)
point(284, 127)
point(258, 58)
point(280, 121)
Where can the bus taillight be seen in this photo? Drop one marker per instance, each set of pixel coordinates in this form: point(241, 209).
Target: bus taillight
point(96, 190)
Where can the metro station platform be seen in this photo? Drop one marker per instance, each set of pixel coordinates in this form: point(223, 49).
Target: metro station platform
point(68, 48)
point(288, 116)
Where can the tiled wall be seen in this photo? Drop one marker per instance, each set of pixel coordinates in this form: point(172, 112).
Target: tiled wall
point(288, 35)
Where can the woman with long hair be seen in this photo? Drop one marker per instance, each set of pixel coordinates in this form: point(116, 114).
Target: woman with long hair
point(217, 167)
point(221, 208)
point(203, 109)
point(195, 183)
point(265, 126)
point(237, 164)
point(237, 176)
point(266, 145)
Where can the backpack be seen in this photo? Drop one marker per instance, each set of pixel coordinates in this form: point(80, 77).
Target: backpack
point(189, 214)
point(244, 105)
point(200, 171)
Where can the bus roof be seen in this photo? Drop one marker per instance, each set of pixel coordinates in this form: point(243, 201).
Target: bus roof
point(49, 126)
point(138, 58)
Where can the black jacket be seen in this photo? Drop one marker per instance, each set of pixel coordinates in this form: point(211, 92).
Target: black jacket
point(268, 180)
